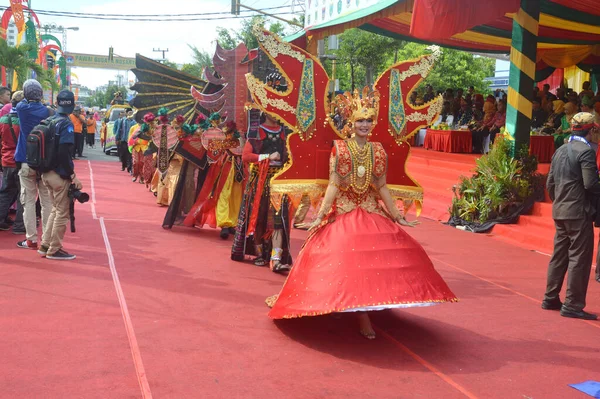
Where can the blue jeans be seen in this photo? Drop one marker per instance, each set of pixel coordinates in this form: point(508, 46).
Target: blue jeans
point(9, 193)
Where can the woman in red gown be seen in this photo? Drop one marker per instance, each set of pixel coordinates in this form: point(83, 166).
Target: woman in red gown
point(357, 257)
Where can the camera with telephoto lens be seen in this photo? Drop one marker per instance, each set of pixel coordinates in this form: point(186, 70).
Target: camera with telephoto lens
point(81, 197)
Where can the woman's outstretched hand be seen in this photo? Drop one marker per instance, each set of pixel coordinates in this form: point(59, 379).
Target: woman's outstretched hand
point(309, 226)
point(403, 222)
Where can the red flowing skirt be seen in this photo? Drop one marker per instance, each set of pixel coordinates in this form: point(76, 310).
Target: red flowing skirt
point(361, 261)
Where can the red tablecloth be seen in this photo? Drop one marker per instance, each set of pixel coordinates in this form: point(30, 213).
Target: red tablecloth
point(449, 140)
point(542, 147)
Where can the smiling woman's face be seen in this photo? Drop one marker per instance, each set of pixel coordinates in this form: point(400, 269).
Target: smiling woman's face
point(362, 127)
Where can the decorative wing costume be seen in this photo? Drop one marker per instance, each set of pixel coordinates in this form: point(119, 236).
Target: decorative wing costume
point(303, 108)
point(161, 86)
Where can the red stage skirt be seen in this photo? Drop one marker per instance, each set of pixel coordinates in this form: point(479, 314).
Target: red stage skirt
point(360, 262)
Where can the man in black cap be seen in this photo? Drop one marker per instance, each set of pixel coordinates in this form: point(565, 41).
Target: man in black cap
point(59, 180)
point(572, 180)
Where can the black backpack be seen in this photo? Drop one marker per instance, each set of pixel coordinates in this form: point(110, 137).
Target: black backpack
point(41, 148)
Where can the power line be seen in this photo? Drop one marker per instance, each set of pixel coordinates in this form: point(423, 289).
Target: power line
point(155, 18)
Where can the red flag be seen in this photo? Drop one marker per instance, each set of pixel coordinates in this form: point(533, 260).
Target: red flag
point(440, 19)
point(17, 9)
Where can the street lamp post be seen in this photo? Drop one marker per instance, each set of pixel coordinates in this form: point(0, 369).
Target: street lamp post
point(54, 28)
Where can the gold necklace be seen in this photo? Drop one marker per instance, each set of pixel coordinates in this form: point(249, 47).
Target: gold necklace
point(362, 166)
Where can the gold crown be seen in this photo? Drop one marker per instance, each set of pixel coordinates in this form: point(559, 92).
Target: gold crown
point(354, 107)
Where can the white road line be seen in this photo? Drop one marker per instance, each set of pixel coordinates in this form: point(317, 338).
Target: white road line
point(93, 188)
point(133, 344)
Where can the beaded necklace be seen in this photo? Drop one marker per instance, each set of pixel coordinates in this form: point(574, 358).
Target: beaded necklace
point(362, 166)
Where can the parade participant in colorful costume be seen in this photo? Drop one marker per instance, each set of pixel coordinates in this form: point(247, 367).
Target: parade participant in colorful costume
point(165, 135)
point(218, 203)
point(262, 229)
point(142, 160)
point(354, 231)
point(357, 257)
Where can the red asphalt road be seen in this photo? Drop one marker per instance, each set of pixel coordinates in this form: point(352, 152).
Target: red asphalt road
point(199, 327)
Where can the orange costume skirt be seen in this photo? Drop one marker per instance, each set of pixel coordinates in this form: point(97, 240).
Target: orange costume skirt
point(360, 262)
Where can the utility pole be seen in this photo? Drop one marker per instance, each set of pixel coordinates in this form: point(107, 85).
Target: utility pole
point(158, 50)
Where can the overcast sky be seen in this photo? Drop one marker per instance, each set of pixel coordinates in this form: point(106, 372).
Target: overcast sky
point(128, 38)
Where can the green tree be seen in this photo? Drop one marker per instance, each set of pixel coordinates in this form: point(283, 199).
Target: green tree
point(48, 81)
point(363, 54)
point(17, 59)
point(201, 60)
point(230, 38)
point(455, 69)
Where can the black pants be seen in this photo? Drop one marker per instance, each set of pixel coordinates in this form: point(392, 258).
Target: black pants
point(124, 155)
point(78, 147)
point(9, 193)
point(573, 251)
point(90, 139)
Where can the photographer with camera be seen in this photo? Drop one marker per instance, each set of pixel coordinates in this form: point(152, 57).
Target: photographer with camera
point(60, 181)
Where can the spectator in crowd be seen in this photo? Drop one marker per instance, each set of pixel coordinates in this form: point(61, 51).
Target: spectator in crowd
point(9, 192)
point(561, 94)
point(586, 92)
point(31, 112)
point(587, 105)
point(547, 97)
point(79, 125)
point(478, 109)
point(91, 130)
point(338, 119)
point(412, 100)
point(59, 180)
point(489, 108)
point(457, 101)
point(491, 128)
point(121, 136)
point(429, 95)
point(572, 180)
point(465, 115)
point(538, 115)
point(5, 101)
point(554, 121)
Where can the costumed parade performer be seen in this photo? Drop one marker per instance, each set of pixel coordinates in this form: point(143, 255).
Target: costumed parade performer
point(141, 154)
point(357, 257)
point(262, 229)
point(165, 136)
point(218, 203)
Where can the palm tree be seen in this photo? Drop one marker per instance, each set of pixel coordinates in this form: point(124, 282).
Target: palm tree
point(17, 59)
point(48, 81)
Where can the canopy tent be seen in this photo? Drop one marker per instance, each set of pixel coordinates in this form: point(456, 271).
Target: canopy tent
point(540, 35)
point(569, 30)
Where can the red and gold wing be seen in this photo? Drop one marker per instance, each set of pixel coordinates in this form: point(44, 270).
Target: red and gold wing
point(303, 109)
point(398, 121)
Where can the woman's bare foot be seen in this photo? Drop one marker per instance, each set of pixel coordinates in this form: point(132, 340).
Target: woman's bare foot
point(366, 329)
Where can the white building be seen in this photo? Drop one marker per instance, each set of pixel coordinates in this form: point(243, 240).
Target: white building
point(12, 35)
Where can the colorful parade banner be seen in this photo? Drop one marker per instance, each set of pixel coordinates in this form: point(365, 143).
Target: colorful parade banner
point(99, 61)
point(17, 9)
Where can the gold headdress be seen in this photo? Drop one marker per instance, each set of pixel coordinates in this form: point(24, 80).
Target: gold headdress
point(355, 107)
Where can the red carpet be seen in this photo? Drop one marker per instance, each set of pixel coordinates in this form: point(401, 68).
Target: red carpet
point(202, 332)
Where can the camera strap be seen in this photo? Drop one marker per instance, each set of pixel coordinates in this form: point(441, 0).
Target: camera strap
point(12, 129)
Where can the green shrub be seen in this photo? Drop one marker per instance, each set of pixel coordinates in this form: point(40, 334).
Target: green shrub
point(500, 184)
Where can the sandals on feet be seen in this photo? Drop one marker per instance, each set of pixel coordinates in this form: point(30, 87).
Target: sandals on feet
point(259, 262)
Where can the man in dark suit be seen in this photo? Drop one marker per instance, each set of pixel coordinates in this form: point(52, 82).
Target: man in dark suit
point(572, 181)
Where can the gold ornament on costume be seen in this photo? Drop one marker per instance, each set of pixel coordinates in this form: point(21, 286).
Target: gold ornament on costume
point(362, 166)
point(354, 107)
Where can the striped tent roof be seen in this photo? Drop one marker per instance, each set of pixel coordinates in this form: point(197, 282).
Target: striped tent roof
point(569, 30)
